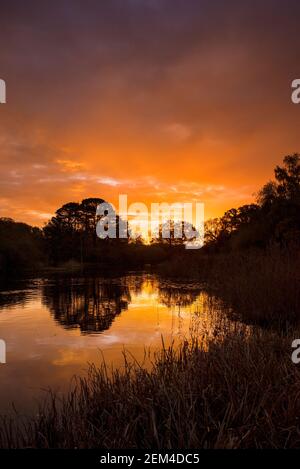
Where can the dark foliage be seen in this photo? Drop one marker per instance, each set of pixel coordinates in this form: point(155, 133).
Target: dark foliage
point(70, 236)
point(274, 219)
point(21, 248)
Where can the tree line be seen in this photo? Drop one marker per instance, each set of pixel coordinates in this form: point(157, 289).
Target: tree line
point(274, 218)
point(70, 235)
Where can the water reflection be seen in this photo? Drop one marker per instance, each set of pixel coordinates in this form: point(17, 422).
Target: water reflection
point(90, 304)
point(12, 298)
point(171, 294)
point(16, 294)
point(54, 327)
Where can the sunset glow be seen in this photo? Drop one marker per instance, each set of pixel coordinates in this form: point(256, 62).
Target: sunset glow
point(172, 102)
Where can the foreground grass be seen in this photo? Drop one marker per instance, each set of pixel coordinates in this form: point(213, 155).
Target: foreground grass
point(242, 392)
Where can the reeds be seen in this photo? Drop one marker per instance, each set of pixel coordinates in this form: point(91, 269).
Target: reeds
point(242, 392)
point(261, 287)
point(235, 388)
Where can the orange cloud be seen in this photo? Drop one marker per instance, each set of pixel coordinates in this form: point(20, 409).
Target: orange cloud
point(165, 102)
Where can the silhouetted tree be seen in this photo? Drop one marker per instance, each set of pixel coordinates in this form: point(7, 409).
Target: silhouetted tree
point(71, 233)
point(21, 247)
point(268, 194)
point(276, 218)
point(174, 234)
point(286, 185)
point(288, 178)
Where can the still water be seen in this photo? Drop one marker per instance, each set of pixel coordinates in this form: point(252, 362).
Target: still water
point(53, 328)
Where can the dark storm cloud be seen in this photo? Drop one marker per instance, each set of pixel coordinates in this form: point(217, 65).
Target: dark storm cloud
point(149, 77)
point(64, 52)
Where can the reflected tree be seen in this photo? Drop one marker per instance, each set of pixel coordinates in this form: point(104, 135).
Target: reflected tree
point(90, 304)
point(177, 295)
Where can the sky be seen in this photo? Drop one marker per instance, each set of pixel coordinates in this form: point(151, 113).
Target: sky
point(163, 100)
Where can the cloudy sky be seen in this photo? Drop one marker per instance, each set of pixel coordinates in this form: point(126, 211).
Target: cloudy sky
point(163, 100)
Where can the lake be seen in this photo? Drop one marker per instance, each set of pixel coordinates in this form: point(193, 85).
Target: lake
point(53, 328)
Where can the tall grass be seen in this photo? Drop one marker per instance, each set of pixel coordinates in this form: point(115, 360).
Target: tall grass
point(262, 287)
point(241, 392)
point(229, 388)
